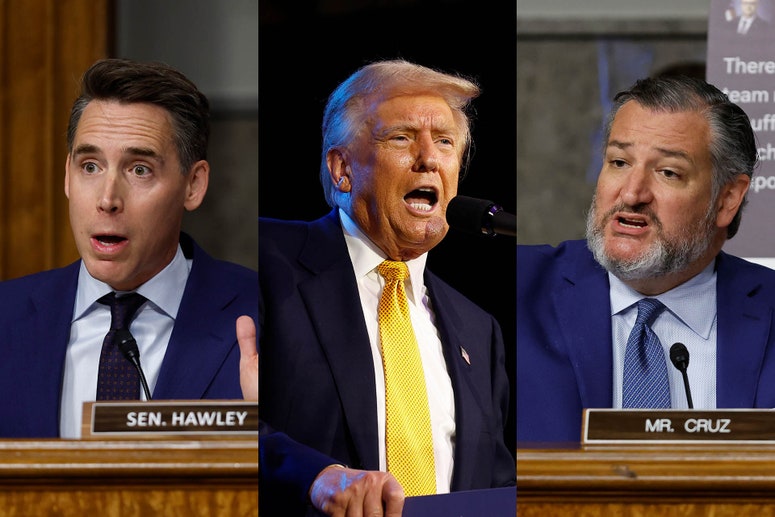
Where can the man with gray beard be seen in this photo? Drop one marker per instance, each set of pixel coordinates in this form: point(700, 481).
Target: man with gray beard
point(678, 161)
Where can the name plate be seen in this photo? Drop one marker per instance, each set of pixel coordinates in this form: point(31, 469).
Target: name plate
point(619, 426)
point(168, 418)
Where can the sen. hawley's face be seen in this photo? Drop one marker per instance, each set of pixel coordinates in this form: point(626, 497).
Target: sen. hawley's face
point(126, 191)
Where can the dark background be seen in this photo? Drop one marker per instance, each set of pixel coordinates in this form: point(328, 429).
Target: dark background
point(307, 48)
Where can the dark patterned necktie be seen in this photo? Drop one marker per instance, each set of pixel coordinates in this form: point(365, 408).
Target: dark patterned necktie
point(118, 379)
point(645, 382)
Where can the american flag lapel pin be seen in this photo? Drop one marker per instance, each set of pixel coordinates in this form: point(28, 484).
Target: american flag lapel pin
point(465, 356)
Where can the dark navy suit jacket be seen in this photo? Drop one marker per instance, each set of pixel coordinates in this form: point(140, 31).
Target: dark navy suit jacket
point(201, 362)
point(565, 350)
point(316, 370)
point(759, 28)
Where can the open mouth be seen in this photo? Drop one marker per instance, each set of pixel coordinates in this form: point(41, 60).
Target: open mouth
point(632, 223)
point(423, 199)
point(108, 240)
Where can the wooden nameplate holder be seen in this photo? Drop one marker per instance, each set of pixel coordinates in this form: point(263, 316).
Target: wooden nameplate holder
point(170, 419)
point(677, 426)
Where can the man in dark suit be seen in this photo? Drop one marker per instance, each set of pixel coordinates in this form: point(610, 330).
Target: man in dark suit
point(137, 159)
point(395, 138)
point(749, 23)
point(677, 167)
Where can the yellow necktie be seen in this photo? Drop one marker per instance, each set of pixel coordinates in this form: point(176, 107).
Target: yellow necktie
point(408, 442)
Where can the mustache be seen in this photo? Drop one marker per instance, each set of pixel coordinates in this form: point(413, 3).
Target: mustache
point(627, 209)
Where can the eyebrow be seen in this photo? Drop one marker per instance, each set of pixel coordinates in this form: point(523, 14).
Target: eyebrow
point(85, 149)
point(672, 153)
point(134, 151)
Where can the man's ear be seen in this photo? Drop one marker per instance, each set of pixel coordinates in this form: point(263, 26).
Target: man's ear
point(196, 185)
point(339, 170)
point(731, 198)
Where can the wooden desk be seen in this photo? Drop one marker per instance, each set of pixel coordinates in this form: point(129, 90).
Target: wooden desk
point(719, 480)
point(143, 478)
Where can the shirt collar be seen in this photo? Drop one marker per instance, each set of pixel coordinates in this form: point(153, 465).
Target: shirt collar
point(693, 302)
point(366, 256)
point(165, 290)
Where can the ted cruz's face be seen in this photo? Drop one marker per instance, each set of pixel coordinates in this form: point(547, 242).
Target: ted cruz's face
point(653, 213)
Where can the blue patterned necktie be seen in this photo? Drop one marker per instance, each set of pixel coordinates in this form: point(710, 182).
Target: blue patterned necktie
point(645, 368)
point(118, 379)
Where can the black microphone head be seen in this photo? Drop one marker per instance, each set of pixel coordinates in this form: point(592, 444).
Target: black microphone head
point(127, 344)
point(471, 215)
point(679, 355)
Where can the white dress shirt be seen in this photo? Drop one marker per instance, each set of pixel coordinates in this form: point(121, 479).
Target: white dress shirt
point(365, 257)
point(151, 328)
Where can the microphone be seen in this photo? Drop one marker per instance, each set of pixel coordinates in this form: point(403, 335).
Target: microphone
point(679, 355)
point(128, 347)
point(473, 215)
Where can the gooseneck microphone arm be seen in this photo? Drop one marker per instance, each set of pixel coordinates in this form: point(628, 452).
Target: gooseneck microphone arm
point(128, 347)
point(679, 355)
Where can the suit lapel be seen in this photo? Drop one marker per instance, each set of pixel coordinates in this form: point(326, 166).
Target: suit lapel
point(582, 304)
point(468, 406)
point(43, 336)
point(202, 337)
point(331, 296)
point(744, 323)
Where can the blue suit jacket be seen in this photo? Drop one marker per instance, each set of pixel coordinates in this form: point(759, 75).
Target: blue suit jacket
point(317, 375)
point(201, 362)
point(565, 349)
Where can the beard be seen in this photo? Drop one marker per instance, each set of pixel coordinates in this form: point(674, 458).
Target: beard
point(669, 254)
